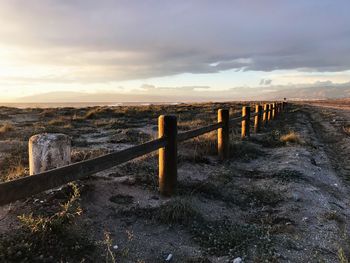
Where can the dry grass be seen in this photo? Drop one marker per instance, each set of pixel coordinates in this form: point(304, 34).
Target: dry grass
point(177, 211)
point(16, 172)
point(50, 238)
point(291, 137)
point(346, 129)
point(58, 122)
point(7, 127)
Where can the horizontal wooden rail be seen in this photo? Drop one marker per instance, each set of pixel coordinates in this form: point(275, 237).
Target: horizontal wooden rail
point(235, 120)
point(30, 185)
point(183, 136)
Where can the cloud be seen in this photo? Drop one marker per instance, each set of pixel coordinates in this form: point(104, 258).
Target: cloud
point(265, 82)
point(101, 41)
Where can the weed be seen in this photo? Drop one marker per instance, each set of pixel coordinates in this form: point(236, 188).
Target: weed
point(7, 127)
point(342, 257)
point(108, 242)
point(346, 129)
point(177, 211)
point(245, 150)
point(58, 122)
point(334, 216)
point(54, 238)
point(198, 148)
point(54, 223)
point(223, 237)
point(14, 165)
point(82, 155)
point(291, 137)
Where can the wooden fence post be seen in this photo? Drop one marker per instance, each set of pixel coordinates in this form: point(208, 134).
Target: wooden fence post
point(224, 134)
point(245, 121)
point(269, 114)
point(258, 117)
point(167, 127)
point(266, 114)
point(278, 109)
point(273, 112)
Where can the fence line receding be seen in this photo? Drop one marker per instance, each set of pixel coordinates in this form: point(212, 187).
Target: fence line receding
point(166, 144)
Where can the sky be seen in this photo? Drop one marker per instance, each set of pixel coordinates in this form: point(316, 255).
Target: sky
point(129, 46)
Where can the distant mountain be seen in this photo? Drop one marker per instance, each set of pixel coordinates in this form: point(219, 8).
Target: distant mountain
point(330, 91)
point(312, 93)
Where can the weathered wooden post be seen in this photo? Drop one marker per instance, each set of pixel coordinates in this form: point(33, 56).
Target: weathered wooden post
point(48, 151)
point(278, 109)
point(273, 112)
point(245, 121)
point(167, 128)
point(266, 114)
point(224, 134)
point(258, 117)
point(269, 114)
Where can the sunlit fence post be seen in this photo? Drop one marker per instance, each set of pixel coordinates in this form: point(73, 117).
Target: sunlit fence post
point(269, 114)
point(258, 118)
point(245, 121)
point(273, 111)
point(224, 134)
point(277, 109)
point(167, 128)
point(266, 114)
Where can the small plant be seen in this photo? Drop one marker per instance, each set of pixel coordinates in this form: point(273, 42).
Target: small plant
point(14, 165)
point(333, 216)
point(291, 137)
point(45, 238)
point(177, 211)
point(108, 242)
point(342, 257)
point(223, 237)
point(58, 122)
point(244, 150)
point(7, 127)
point(44, 225)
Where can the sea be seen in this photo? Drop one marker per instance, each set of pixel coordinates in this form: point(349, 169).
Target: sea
point(81, 104)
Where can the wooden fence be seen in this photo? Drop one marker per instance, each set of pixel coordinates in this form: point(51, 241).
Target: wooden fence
point(166, 144)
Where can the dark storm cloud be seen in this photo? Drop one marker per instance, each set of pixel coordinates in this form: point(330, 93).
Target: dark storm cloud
point(138, 39)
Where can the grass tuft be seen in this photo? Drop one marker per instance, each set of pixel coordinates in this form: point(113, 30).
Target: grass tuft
point(291, 137)
point(45, 238)
point(177, 211)
point(223, 237)
point(7, 127)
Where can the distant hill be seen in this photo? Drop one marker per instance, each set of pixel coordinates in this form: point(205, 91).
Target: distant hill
point(261, 93)
point(330, 92)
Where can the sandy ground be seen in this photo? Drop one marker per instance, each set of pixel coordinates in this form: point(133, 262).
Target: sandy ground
point(294, 197)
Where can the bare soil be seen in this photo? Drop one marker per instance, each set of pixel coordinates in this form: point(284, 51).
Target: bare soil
point(270, 202)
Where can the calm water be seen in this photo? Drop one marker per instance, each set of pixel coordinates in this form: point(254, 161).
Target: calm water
point(79, 104)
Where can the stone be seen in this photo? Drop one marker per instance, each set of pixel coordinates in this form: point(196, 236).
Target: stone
point(237, 260)
point(48, 151)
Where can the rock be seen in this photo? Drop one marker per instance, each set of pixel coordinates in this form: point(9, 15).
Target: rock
point(237, 260)
point(48, 151)
point(169, 257)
